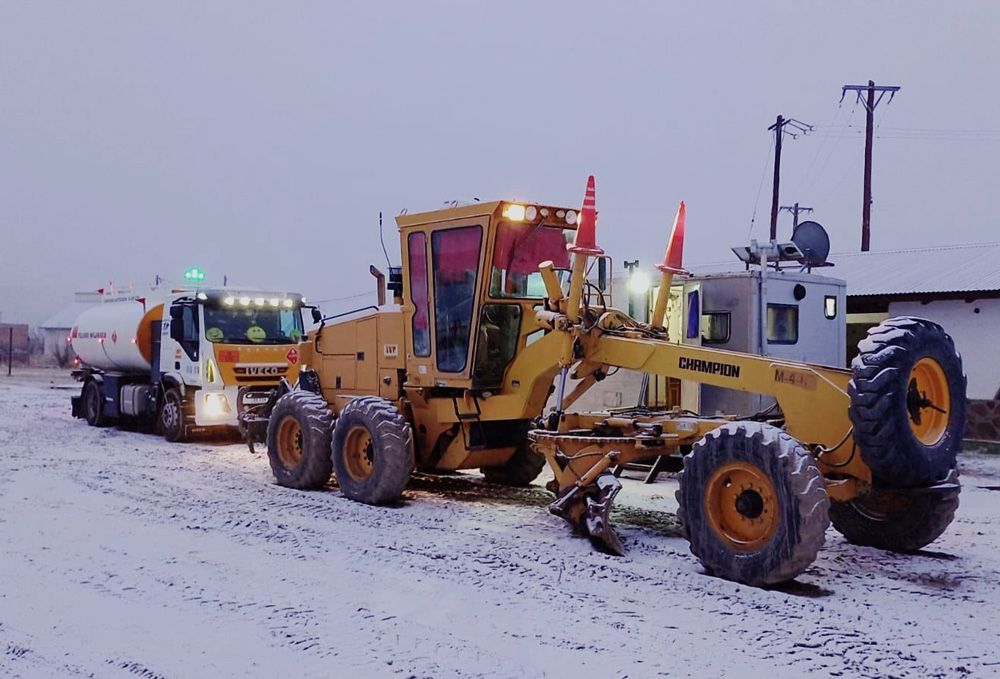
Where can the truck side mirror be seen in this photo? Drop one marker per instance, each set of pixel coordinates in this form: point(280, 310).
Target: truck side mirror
point(317, 316)
point(176, 313)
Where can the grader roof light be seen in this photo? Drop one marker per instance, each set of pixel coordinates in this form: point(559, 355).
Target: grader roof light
point(514, 212)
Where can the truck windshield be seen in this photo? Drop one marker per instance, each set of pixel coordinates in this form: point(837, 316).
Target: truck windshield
point(253, 325)
point(519, 249)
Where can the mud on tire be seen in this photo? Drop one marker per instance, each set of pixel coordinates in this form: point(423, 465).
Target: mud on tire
point(298, 440)
point(897, 519)
point(752, 504)
point(372, 451)
point(520, 470)
point(890, 408)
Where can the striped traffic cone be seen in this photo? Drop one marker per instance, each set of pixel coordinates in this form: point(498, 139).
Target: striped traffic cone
point(674, 255)
point(585, 242)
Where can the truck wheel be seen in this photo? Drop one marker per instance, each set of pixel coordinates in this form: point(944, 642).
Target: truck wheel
point(372, 451)
point(173, 418)
point(908, 402)
point(298, 440)
point(753, 504)
point(93, 404)
point(900, 520)
point(520, 470)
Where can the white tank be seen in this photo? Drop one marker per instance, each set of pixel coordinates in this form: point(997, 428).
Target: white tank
point(116, 336)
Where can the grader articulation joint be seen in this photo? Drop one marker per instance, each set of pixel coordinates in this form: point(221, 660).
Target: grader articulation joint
point(494, 314)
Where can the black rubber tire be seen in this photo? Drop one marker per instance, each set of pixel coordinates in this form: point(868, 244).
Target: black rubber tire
point(878, 410)
point(392, 453)
point(896, 519)
point(315, 422)
point(93, 404)
point(173, 419)
point(519, 471)
point(798, 484)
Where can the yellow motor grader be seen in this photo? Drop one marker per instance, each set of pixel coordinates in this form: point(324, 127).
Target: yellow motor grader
point(494, 331)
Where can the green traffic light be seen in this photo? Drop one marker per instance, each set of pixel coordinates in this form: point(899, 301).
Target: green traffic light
point(194, 274)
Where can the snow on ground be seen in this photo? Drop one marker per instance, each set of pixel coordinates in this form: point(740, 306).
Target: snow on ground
point(122, 555)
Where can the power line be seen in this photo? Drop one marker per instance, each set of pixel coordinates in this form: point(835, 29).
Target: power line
point(760, 187)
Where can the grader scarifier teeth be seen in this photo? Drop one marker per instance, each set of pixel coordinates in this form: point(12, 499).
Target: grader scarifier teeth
point(589, 511)
point(597, 518)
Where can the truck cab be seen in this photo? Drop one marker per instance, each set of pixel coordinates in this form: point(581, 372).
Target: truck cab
point(180, 360)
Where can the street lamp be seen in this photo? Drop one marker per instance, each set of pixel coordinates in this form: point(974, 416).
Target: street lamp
point(638, 286)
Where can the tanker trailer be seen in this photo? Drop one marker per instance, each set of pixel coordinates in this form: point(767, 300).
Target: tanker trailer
point(176, 361)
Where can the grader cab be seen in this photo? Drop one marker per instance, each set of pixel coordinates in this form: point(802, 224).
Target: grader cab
point(493, 333)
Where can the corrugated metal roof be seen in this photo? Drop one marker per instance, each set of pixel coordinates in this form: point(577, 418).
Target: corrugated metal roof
point(952, 268)
point(974, 267)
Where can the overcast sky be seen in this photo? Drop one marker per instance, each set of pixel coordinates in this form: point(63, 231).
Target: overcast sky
point(260, 140)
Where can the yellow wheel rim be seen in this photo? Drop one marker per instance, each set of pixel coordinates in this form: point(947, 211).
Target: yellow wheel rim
point(928, 400)
point(289, 442)
point(359, 453)
point(742, 506)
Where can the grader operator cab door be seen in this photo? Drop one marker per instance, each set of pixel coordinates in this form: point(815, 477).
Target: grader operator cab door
point(441, 293)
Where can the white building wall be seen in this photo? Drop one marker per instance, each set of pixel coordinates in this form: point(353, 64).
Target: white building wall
point(975, 327)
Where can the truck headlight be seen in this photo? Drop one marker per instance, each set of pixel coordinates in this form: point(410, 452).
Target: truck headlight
point(217, 405)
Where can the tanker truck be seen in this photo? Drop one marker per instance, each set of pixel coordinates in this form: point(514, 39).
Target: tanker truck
point(184, 361)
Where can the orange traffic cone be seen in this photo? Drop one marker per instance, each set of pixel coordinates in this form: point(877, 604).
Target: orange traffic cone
point(673, 257)
point(585, 242)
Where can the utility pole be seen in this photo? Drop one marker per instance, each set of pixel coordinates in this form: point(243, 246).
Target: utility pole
point(871, 103)
point(796, 128)
point(795, 210)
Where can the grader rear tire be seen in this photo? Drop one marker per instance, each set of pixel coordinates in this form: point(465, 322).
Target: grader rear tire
point(907, 402)
point(520, 470)
point(298, 440)
point(372, 451)
point(899, 520)
point(753, 504)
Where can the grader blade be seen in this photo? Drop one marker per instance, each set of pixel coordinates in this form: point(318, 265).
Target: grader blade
point(597, 519)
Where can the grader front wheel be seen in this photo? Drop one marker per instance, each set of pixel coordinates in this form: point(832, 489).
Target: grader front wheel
point(898, 519)
point(753, 504)
point(907, 402)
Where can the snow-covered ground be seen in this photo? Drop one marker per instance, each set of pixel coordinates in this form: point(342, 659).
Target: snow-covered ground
point(122, 555)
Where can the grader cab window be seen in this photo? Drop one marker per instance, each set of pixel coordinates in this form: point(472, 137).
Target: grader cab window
point(456, 261)
point(417, 246)
point(518, 251)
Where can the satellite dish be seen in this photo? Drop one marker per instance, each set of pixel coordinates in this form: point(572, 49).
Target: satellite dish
point(813, 241)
